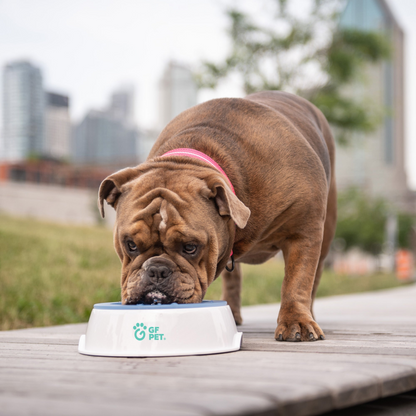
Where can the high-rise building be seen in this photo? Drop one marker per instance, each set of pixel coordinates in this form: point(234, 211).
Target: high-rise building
point(177, 92)
point(101, 139)
point(23, 110)
point(122, 105)
point(108, 137)
point(57, 126)
point(375, 162)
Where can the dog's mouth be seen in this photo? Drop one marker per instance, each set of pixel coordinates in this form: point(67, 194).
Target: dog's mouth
point(155, 297)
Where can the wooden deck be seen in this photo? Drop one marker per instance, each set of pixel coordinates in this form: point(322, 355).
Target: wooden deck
point(370, 352)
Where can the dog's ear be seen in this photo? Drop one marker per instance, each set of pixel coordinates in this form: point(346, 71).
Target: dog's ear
point(110, 188)
point(227, 202)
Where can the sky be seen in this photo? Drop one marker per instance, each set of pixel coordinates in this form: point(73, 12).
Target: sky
point(89, 48)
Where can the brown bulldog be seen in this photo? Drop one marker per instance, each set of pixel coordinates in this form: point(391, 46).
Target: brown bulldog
point(179, 220)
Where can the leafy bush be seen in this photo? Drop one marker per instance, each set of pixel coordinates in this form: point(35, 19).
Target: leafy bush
point(362, 221)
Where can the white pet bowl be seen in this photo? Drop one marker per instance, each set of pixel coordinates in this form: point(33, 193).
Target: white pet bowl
point(160, 330)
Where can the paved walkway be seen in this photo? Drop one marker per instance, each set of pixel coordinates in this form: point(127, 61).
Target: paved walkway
point(370, 352)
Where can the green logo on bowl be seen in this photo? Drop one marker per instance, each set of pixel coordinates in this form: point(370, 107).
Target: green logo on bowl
point(154, 335)
point(140, 332)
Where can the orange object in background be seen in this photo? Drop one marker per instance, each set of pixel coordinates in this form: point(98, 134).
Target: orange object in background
point(404, 264)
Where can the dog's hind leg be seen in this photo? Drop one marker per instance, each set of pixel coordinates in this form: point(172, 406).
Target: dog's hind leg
point(318, 275)
point(329, 232)
point(231, 291)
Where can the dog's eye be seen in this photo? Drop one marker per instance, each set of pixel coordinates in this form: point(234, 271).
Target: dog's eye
point(190, 248)
point(131, 246)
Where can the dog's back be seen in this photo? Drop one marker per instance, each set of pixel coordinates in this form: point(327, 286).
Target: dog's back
point(308, 119)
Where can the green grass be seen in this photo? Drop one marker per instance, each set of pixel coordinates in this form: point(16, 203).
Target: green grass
point(52, 274)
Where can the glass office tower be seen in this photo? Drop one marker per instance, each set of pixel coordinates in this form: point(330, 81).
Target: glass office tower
point(375, 161)
point(23, 111)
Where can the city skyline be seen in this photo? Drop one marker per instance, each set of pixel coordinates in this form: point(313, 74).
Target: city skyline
point(100, 45)
point(38, 123)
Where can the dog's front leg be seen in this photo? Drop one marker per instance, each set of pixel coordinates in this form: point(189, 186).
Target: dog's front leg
point(231, 291)
point(295, 321)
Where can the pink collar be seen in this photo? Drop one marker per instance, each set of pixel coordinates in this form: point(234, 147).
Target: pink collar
point(196, 154)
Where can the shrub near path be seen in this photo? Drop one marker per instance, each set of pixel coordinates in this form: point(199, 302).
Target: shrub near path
point(53, 274)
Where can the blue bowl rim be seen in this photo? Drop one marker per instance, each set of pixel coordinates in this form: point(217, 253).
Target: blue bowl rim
point(119, 306)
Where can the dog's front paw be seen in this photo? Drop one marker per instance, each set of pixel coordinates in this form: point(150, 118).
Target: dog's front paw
point(237, 317)
point(295, 327)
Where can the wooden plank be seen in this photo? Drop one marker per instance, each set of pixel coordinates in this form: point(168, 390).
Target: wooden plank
point(52, 406)
point(47, 332)
point(400, 405)
point(175, 388)
point(336, 347)
point(129, 388)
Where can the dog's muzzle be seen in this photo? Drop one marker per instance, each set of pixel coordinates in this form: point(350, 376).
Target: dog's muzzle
point(157, 276)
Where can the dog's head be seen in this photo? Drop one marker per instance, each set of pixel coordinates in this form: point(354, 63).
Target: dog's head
point(174, 229)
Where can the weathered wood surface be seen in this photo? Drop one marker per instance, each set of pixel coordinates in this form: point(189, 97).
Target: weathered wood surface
point(400, 405)
point(370, 352)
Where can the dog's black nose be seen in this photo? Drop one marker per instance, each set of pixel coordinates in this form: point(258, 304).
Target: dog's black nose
point(158, 273)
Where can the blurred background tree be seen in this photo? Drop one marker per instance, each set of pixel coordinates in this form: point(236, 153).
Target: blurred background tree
point(313, 57)
point(362, 222)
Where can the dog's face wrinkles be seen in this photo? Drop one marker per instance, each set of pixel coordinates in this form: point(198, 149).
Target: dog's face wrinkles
point(164, 217)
